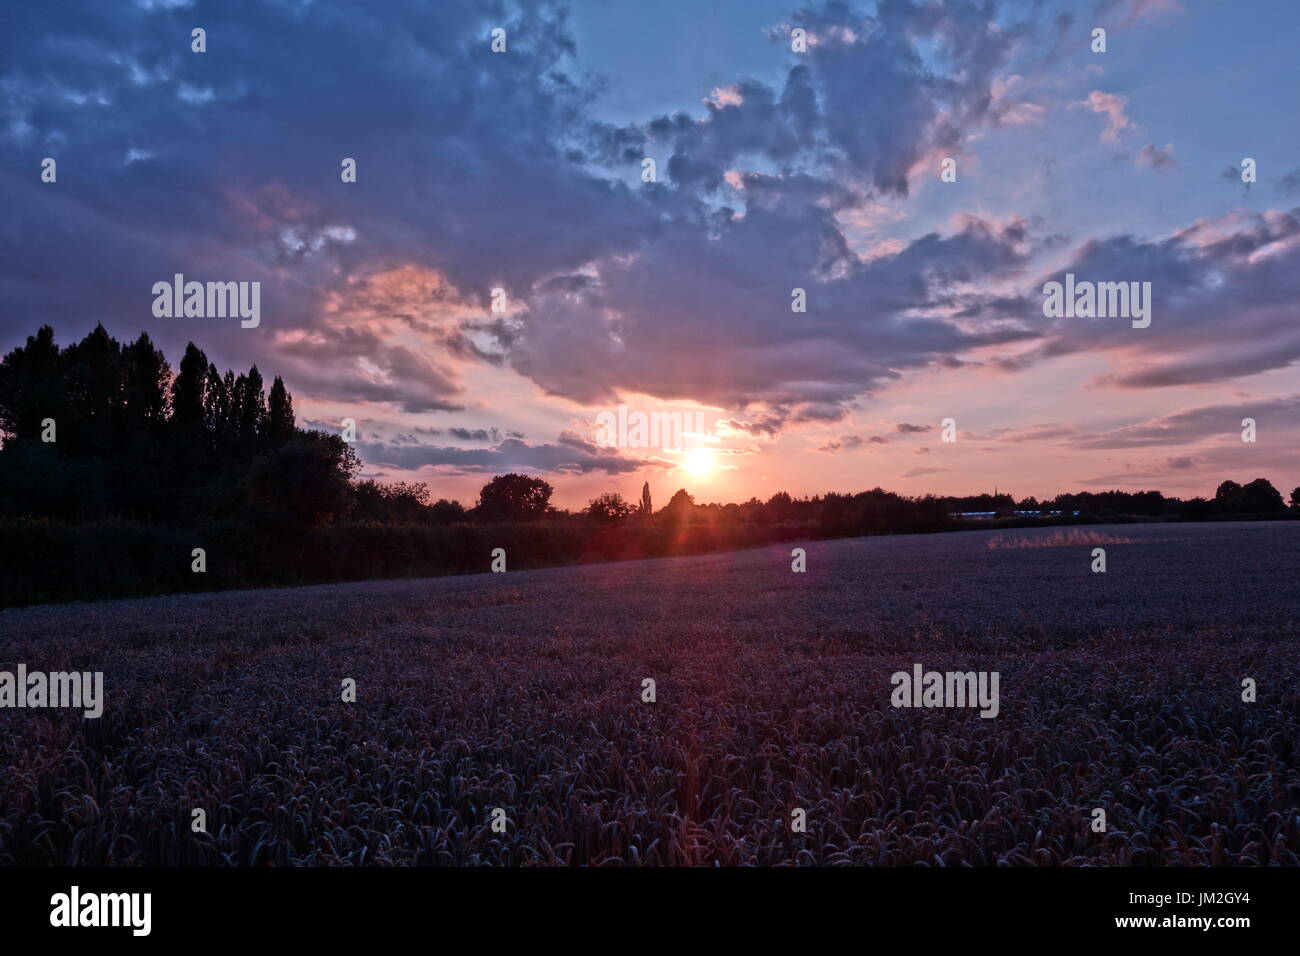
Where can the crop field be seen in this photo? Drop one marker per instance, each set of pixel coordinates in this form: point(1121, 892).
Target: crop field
point(1120, 691)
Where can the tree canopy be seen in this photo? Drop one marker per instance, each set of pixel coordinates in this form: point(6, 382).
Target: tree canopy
point(514, 497)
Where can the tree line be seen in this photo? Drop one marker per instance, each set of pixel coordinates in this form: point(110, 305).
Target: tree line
point(101, 429)
point(114, 467)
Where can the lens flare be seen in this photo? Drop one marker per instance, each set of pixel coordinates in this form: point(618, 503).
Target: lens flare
point(699, 462)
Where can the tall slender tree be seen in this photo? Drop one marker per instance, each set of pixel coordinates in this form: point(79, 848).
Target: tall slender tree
point(31, 387)
point(189, 389)
point(280, 424)
point(220, 413)
point(146, 374)
point(251, 402)
point(93, 381)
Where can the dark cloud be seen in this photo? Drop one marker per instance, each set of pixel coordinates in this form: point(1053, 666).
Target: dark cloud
point(1280, 416)
point(462, 169)
point(1225, 303)
point(879, 93)
point(342, 364)
point(847, 442)
point(570, 454)
point(767, 427)
point(722, 331)
point(475, 434)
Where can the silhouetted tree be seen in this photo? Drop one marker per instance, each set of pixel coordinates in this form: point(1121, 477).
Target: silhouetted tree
point(304, 483)
point(1228, 497)
point(92, 379)
point(250, 399)
point(131, 439)
point(400, 502)
point(680, 505)
point(514, 497)
point(780, 507)
point(1295, 498)
point(280, 424)
point(646, 508)
point(31, 387)
point(609, 507)
point(1260, 497)
point(188, 390)
point(146, 377)
point(443, 511)
point(219, 412)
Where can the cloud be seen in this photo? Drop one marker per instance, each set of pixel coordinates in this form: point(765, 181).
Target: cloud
point(357, 365)
point(1131, 11)
point(1144, 473)
point(569, 454)
point(1008, 107)
point(1154, 158)
point(766, 427)
point(1225, 303)
point(475, 434)
point(1111, 106)
point(847, 442)
point(1029, 433)
point(1206, 422)
point(866, 96)
point(469, 193)
point(722, 333)
point(1288, 185)
point(1152, 9)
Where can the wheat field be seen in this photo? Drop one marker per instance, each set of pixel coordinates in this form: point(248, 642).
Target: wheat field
point(523, 691)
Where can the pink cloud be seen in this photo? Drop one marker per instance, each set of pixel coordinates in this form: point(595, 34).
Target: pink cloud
point(1009, 106)
point(1110, 105)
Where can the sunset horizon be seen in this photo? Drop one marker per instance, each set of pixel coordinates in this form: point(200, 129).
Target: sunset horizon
point(823, 303)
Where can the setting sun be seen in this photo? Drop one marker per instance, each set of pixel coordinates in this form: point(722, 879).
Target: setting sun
point(699, 462)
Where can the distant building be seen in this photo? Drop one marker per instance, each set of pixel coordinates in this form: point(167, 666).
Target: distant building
point(1006, 513)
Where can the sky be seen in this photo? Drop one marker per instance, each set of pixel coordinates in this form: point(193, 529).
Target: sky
point(775, 169)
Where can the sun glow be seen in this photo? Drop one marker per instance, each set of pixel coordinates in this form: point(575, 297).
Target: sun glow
point(699, 462)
